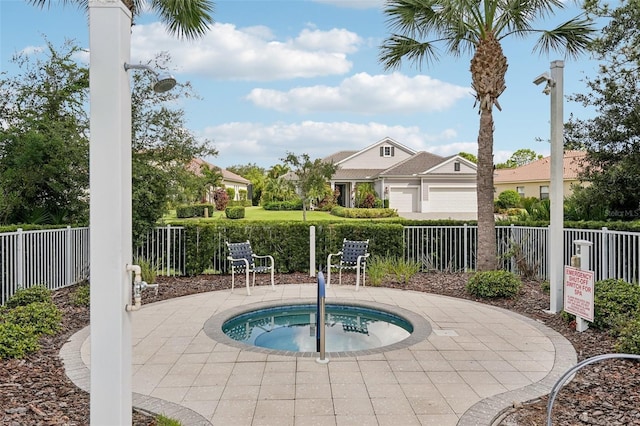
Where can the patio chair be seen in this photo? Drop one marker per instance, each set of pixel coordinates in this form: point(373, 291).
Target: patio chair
point(352, 256)
point(244, 260)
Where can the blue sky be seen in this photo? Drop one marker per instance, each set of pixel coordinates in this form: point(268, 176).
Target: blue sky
point(302, 76)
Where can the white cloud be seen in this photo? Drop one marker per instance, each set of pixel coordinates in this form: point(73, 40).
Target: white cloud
point(266, 145)
point(253, 53)
point(366, 94)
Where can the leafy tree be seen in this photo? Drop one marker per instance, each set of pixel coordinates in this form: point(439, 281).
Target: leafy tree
point(188, 19)
point(277, 189)
point(612, 137)
point(44, 148)
point(469, 157)
point(278, 170)
point(519, 158)
point(365, 196)
point(478, 28)
point(211, 178)
point(311, 177)
point(256, 175)
point(162, 147)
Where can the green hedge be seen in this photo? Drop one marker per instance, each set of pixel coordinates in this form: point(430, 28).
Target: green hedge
point(234, 212)
point(287, 242)
point(363, 213)
point(283, 205)
point(194, 210)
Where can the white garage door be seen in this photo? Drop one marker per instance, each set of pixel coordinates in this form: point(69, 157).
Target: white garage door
point(452, 199)
point(403, 199)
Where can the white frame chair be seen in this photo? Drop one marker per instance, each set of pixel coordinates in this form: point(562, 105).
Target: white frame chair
point(244, 260)
point(352, 256)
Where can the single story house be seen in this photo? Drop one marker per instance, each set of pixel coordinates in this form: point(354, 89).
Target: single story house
point(229, 179)
point(533, 179)
point(412, 181)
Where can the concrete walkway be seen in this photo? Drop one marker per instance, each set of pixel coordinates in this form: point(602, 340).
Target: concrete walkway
point(472, 362)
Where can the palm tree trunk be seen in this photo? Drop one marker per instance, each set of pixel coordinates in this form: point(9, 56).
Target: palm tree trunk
point(486, 249)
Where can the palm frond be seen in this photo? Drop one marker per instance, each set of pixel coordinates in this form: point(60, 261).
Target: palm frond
point(573, 36)
point(399, 47)
point(188, 19)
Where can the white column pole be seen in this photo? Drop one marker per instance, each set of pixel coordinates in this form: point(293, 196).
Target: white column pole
point(556, 228)
point(110, 215)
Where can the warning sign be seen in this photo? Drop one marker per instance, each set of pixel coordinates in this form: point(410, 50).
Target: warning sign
point(578, 292)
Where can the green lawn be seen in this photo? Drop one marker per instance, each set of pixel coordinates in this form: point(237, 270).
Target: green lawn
point(258, 213)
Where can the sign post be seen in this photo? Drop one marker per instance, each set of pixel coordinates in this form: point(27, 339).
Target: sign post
point(579, 286)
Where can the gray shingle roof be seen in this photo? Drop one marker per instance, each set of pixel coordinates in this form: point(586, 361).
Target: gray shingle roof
point(416, 164)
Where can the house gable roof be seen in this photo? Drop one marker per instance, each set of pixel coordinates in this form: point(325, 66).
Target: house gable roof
point(384, 141)
point(418, 163)
point(227, 176)
point(467, 167)
point(540, 170)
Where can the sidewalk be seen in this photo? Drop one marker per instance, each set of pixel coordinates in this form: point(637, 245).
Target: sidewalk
point(471, 363)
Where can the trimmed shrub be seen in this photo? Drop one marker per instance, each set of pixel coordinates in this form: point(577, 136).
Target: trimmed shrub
point(193, 210)
point(508, 199)
point(42, 317)
point(16, 341)
point(615, 302)
point(81, 295)
point(25, 296)
point(284, 205)
point(489, 284)
point(357, 213)
point(236, 212)
point(231, 193)
point(629, 338)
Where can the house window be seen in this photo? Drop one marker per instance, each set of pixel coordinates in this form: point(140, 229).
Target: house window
point(456, 166)
point(544, 192)
point(520, 190)
point(386, 151)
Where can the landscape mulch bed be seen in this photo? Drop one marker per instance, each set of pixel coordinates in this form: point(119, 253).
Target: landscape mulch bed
point(36, 391)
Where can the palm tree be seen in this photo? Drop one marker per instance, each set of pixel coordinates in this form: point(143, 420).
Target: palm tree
point(478, 27)
point(188, 19)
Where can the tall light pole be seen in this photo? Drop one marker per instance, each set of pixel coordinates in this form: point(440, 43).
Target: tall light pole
point(555, 252)
point(110, 212)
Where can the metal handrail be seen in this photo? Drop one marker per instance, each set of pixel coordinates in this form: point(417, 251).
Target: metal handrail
point(572, 370)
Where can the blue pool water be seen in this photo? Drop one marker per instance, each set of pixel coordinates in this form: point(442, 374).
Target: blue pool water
point(293, 328)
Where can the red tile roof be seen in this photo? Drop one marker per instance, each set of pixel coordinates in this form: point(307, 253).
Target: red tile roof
point(541, 169)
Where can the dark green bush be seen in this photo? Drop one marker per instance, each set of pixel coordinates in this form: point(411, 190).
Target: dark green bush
point(81, 295)
point(615, 302)
point(363, 213)
point(25, 296)
point(490, 284)
point(16, 341)
point(629, 337)
point(236, 212)
point(283, 205)
point(43, 317)
point(508, 199)
point(193, 210)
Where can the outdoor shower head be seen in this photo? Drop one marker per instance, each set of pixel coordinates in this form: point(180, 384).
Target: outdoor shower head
point(164, 82)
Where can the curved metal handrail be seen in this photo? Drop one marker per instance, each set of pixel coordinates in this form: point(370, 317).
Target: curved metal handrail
point(572, 370)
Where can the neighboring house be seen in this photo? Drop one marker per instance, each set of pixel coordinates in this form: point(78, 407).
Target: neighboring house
point(229, 179)
point(532, 180)
point(412, 181)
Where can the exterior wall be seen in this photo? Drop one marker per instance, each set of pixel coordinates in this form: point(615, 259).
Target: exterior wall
point(237, 187)
point(454, 195)
point(371, 159)
point(449, 168)
point(532, 189)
